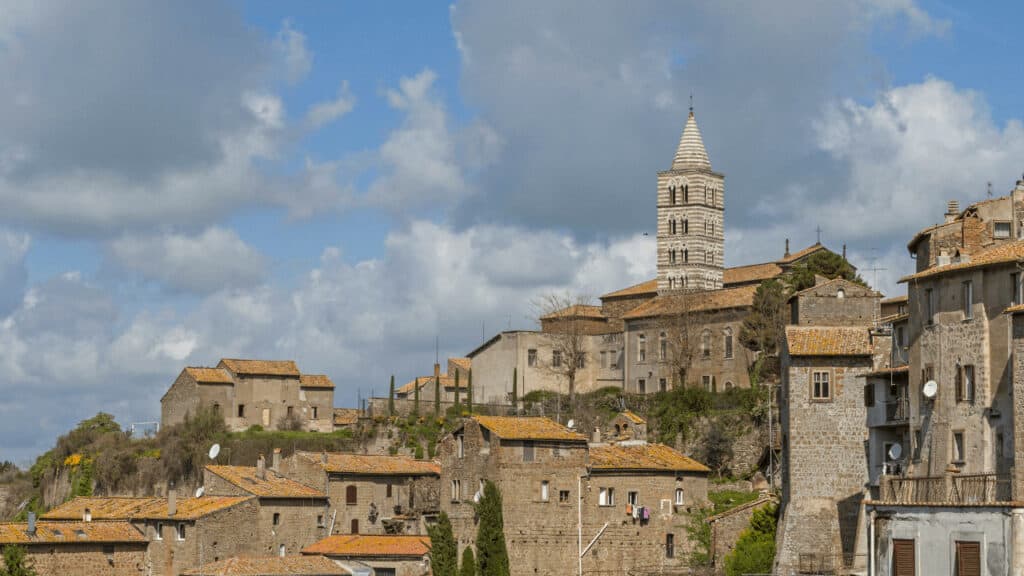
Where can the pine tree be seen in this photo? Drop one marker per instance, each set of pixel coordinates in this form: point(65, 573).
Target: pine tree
point(437, 396)
point(443, 550)
point(492, 554)
point(468, 562)
point(15, 563)
point(515, 389)
point(391, 397)
point(416, 398)
point(458, 407)
point(469, 392)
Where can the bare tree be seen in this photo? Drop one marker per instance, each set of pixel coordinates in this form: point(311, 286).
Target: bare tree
point(567, 320)
point(678, 334)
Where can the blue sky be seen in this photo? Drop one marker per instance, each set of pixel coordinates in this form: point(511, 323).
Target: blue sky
point(340, 182)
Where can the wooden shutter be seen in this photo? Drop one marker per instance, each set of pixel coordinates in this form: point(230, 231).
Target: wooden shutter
point(959, 385)
point(350, 494)
point(968, 558)
point(355, 526)
point(903, 558)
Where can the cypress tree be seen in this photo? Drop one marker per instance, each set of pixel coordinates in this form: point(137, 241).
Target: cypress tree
point(492, 554)
point(391, 397)
point(416, 397)
point(515, 389)
point(15, 563)
point(458, 408)
point(469, 392)
point(437, 396)
point(444, 559)
point(468, 562)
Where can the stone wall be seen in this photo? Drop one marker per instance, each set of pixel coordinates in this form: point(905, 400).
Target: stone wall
point(822, 306)
point(293, 523)
point(180, 400)
point(727, 527)
point(87, 559)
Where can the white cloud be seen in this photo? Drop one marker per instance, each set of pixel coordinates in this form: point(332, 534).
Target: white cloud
point(290, 45)
point(919, 20)
point(13, 273)
point(212, 260)
point(324, 113)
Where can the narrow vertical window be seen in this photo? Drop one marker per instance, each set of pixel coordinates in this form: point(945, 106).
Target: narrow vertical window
point(531, 357)
point(556, 359)
point(728, 342)
point(929, 303)
point(350, 495)
point(958, 447)
point(705, 344)
point(641, 386)
point(820, 386)
point(672, 195)
point(968, 295)
point(662, 385)
point(1015, 292)
point(686, 226)
point(670, 545)
point(679, 496)
point(460, 449)
point(641, 348)
point(686, 255)
point(544, 491)
point(662, 346)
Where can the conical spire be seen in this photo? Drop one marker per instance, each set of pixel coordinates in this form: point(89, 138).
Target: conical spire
point(691, 152)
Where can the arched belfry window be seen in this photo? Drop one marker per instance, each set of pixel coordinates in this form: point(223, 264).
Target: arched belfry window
point(672, 226)
point(686, 254)
point(672, 195)
point(686, 193)
point(686, 226)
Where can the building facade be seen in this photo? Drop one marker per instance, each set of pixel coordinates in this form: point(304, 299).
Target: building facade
point(79, 548)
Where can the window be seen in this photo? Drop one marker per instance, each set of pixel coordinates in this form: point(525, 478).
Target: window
point(728, 385)
point(544, 491)
point(670, 545)
point(672, 226)
point(679, 497)
point(968, 295)
point(965, 384)
point(672, 195)
point(633, 498)
point(728, 342)
point(460, 450)
point(662, 346)
point(968, 557)
point(281, 550)
point(350, 495)
point(581, 360)
point(903, 558)
point(277, 518)
point(556, 359)
point(241, 410)
point(527, 451)
point(712, 227)
point(869, 395)
point(686, 255)
point(388, 492)
point(706, 381)
point(606, 497)
point(456, 490)
point(319, 520)
point(929, 303)
point(354, 526)
point(315, 412)
point(686, 226)
point(901, 336)
point(705, 343)
point(563, 496)
point(917, 439)
point(641, 386)
point(288, 411)
point(820, 389)
point(181, 531)
point(958, 447)
point(159, 534)
point(641, 348)
point(840, 293)
point(686, 193)
point(1015, 289)
point(662, 385)
point(671, 260)
point(1001, 230)
point(531, 357)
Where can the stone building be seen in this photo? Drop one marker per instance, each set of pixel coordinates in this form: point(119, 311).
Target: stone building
point(727, 527)
point(182, 533)
point(78, 548)
point(627, 425)
point(836, 302)
point(383, 555)
point(291, 515)
point(271, 566)
point(550, 478)
point(252, 392)
point(370, 494)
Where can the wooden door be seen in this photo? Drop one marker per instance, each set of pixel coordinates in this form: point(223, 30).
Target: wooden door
point(903, 561)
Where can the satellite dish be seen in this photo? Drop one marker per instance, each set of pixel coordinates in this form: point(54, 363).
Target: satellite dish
point(571, 423)
point(214, 450)
point(895, 451)
point(476, 497)
point(200, 491)
point(931, 388)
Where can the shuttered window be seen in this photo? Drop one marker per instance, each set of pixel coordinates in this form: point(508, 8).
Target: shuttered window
point(350, 495)
point(968, 558)
point(903, 558)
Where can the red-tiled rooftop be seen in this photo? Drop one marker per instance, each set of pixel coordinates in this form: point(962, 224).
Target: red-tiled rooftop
point(209, 375)
point(315, 381)
point(528, 428)
point(366, 546)
point(642, 456)
point(270, 486)
point(1005, 253)
point(705, 301)
point(261, 367)
point(372, 464)
point(828, 341)
point(125, 508)
point(70, 533)
point(271, 566)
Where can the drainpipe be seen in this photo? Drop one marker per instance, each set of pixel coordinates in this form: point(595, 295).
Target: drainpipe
point(871, 543)
point(579, 523)
point(1017, 545)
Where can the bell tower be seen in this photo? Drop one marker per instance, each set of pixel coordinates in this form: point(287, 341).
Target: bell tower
point(691, 217)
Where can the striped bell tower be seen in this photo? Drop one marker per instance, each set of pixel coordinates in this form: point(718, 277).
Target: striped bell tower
point(691, 215)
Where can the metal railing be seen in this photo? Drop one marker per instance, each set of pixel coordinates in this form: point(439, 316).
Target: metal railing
point(953, 488)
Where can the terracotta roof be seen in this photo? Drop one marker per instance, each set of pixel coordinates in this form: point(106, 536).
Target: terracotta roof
point(828, 341)
point(361, 546)
point(372, 464)
point(346, 416)
point(926, 231)
point(271, 566)
point(837, 280)
point(895, 299)
point(528, 428)
point(120, 508)
point(893, 318)
point(642, 456)
point(423, 381)
point(315, 381)
point(1005, 253)
point(802, 253)
point(751, 273)
point(575, 311)
point(641, 289)
point(261, 367)
point(271, 486)
point(633, 417)
point(666, 305)
point(464, 363)
point(1015, 309)
point(888, 372)
point(209, 375)
point(70, 532)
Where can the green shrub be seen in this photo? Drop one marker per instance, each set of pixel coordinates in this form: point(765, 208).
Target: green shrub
point(755, 549)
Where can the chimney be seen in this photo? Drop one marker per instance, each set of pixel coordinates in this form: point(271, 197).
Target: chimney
point(437, 370)
point(87, 515)
point(952, 210)
point(276, 462)
point(31, 524)
point(786, 255)
point(261, 467)
point(844, 251)
point(172, 502)
point(597, 436)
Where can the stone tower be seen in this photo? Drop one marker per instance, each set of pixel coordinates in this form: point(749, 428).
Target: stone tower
point(691, 214)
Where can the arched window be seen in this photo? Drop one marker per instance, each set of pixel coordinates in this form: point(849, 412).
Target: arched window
point(672, 226)
point(686, 193)
point(728, 386)
point(662, 346)
point(841, 293)
point(705, 343)
point(672, 195)
point(686, 226)
point(641, 348)
point(712, 227)
point(686, 255)
point(727, 338)
point(671, 256)
point(350, 495)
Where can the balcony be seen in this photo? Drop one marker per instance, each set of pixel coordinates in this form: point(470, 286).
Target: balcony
point(952, 489)
point(897, 411)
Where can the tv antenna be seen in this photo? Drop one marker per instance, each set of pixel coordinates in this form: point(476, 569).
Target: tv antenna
point(875, 269)
point(988, 190)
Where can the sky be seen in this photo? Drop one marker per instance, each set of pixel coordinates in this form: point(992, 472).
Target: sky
point(346, 183)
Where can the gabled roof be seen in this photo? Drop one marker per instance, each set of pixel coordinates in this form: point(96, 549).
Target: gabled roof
point(576, 311)
point(706, 301)
point(828, 341)
point(365, 546)
point(836, 280)
point(641, 457)
point(271, 566)
point(751, 273)
point(649, 287)
point(209, 375)
point(633, 417)
point(120, 508)
point(346, 416)
point(528, 428)
point(817, 246)
point(1006, 253)
point(691, 152)
point(372, 464)
point(315, 381)
point(895, 299)
point(463, 363)
point(260, 367)
point(422, 381)
point(70, 533)
point(270, 486)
